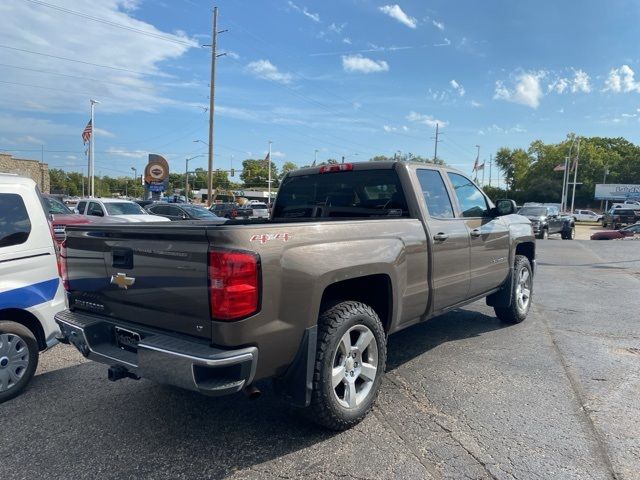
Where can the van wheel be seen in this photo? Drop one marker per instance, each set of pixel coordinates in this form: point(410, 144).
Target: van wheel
point(350, 362)
point(18, 358)
point(521, 293)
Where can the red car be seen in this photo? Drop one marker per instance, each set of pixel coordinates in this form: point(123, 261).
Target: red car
point(629, 231)
point(61, 216)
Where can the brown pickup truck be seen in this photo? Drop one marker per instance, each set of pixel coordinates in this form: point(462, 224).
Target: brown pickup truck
point(351, 254)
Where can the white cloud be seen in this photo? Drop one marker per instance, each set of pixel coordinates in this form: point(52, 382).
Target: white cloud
point(312, 16)
point(579, 83)
point(527, 90)
point(232, 54)
point(29, 139)
point(337, 28)
point(389, 128)
point(457, 87)
point(119, 152)
point(475, 104)
point(268, 71)
point(500, 130)
point(101, 132)
point(138, 57)
point(622, 80)
point(426, 120)
point(445, 43)
point(358, 63)
point(275, 154)
point(438, 25)
point(395, 12)
point(346, 40)
point(71, 157)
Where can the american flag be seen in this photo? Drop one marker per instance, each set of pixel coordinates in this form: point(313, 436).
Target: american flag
point(559, 168)
point(266, 160)
point(475, 165)
point(86, 133)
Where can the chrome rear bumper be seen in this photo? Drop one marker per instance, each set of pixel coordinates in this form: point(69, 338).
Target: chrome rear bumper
point(158, 356)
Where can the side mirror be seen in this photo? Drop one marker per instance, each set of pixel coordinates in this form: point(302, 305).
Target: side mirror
point(505, 207)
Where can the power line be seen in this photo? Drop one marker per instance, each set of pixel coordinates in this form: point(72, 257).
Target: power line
point(120, 69)
point(75, 76)
point(113, 24)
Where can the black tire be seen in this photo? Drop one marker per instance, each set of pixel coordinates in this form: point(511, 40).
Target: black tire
point(514, 313)
point(333, 324)
point(544, 234)
point(26, 341)
point(569, 235)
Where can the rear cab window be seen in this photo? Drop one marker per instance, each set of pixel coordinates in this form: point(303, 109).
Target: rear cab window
point(347, 194)
point(15, 226)
point(435, 193)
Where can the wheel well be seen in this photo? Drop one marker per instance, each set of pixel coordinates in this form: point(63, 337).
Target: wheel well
point(28, 320)
point(528, 249)
point(372, 290)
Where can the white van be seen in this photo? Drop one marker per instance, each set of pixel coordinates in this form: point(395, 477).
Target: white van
point(31, 292)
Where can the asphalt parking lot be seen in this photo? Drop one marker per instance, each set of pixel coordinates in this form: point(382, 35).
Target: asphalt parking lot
point(465, 396)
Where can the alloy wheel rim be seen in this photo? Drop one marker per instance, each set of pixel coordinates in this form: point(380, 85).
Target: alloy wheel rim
point(354, 367)
point(14, 360)
point(523, 290)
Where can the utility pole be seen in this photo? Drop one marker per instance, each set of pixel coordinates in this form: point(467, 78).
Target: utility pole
point(490, 165)
point(269, 166)
point(476, 164)
point(564, 184)
point(565, 187)
point(186, 179)
point(315, 157)
point(604, 180)
point(435, 150)
point(575, 175)
point(212, 86)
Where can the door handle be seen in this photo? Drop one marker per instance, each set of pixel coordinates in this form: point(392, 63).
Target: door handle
point(475, 232)
point(440, 237)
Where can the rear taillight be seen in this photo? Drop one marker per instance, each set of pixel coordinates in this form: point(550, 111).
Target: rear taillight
point(233, 284)
point(341, 167)
point(62, 265)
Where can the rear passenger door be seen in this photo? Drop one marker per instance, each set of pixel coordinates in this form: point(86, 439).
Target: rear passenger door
point(449, 239)
point(489, 237)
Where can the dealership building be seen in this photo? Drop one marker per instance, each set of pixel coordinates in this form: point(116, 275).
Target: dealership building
point(617, 192)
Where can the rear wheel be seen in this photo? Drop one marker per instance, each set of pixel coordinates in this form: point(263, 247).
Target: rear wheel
point(521, 293)
point(18, 358)
point(350, 363)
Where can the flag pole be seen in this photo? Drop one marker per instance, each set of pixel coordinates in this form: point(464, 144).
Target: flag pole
point(92, 189)
point(269, 167)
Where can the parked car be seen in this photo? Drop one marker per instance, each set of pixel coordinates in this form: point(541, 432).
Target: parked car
point(629, 231)
point(30, 289)
point(586, 216)
point(546, 220)
point(61, 216)
point(352, 253)
point(120, 210)
point(259, 210)
point(144, 203)
point(617, 217)
point(183, 211)
point(230, 210)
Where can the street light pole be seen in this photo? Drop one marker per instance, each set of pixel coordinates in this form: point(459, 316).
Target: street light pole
point(575, 175)
point(186, 179)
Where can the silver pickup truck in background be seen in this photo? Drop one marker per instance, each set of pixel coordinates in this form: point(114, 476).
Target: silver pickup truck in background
point(351, 254)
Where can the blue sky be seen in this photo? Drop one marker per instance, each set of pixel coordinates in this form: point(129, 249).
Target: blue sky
point(350, 77)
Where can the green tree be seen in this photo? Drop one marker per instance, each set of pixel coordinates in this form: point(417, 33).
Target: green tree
point(286, 168)
point(255, 173)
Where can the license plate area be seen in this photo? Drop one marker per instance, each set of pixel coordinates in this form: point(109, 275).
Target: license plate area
point(127, 339)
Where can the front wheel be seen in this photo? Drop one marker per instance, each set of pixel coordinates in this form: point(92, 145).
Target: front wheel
point(570, 234)
point(521, 293)
point(544, 234)
point(350, 362)
point(18, 358)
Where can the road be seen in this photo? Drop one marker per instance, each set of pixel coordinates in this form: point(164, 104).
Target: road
point(465, 396)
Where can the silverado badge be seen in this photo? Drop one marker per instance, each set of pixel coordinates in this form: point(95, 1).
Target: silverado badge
point(122, 281)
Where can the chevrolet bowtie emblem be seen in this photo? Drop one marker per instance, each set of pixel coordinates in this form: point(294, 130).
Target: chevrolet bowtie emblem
point(122, 281)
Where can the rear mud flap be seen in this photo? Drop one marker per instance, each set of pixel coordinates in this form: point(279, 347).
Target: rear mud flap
point(296, 385)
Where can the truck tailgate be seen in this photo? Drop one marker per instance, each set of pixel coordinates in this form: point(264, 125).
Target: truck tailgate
point(146, 274)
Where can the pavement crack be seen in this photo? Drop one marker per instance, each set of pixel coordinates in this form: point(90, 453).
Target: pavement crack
point(400, 382)
point(580, 398)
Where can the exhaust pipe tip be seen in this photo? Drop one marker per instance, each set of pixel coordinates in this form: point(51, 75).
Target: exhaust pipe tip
point(252, 392)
